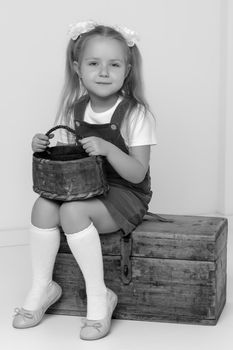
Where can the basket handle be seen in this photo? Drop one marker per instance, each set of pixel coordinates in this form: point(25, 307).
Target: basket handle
point(66, 128)
point(60, 127)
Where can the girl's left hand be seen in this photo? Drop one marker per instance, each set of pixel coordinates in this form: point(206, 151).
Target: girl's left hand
point(95, 146)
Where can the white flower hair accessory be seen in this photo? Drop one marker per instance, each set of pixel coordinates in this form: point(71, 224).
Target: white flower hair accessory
point(75, 30)
point(130, 35)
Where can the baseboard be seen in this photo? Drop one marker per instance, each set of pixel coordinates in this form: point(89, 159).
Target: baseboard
point(14, 237)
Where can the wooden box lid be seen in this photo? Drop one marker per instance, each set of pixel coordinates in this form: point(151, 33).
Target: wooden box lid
point(186, 238)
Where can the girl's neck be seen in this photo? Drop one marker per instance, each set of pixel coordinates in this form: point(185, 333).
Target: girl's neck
point(102, 104)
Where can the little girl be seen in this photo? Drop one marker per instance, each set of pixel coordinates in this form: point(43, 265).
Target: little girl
point(103, 99)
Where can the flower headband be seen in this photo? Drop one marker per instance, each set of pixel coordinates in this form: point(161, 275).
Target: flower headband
point(75, 30)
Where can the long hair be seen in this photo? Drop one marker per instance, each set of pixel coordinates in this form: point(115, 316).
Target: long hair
point(73, 88)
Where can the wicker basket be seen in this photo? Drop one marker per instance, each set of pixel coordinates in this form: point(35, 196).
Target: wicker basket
point(67, 173)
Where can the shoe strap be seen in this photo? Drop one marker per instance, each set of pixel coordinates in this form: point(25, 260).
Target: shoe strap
point(24, 313)
point(92, 323)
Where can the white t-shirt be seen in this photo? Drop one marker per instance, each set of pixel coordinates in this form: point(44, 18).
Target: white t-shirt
point(137, 130)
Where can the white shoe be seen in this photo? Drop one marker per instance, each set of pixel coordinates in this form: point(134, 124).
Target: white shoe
point(91, 329)
point(26, 318)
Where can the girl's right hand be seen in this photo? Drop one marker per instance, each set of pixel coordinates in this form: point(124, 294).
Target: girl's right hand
point(40, 142)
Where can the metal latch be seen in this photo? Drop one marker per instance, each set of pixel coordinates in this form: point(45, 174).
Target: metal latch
point(126, 263)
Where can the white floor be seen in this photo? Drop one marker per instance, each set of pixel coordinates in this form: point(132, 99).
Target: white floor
point(62, 332)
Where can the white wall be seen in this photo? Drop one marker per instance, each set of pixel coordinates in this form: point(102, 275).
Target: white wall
point(183, 44)
point(226, 110)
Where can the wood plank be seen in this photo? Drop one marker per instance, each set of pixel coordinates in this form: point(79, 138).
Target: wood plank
point(198, 239)
point(178, 272)
point(167, 291)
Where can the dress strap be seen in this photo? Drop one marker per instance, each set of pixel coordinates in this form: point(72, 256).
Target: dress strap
point(80, 107)
point(119, 112)
point(117, 117)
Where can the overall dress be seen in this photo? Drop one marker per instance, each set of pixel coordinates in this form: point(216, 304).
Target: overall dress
point(126, 202)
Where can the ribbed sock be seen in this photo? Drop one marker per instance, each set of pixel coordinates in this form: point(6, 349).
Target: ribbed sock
point(44, 245)
point(86, 248)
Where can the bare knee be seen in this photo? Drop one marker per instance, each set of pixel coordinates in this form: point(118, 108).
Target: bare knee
point(45, 213)
point(74, 216)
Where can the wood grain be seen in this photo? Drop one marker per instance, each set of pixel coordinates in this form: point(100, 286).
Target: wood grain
point(177, 272)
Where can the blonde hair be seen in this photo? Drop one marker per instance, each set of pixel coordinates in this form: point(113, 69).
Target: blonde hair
point(73, 89)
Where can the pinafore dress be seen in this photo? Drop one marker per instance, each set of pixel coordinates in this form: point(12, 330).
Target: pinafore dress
point(126, 202)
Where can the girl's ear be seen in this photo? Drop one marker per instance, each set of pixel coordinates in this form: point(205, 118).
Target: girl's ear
point(76, 68)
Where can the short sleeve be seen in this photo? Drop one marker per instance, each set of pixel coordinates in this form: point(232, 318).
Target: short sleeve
point(139, 128)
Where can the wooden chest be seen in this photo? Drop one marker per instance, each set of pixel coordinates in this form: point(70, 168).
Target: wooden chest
point(170, 272)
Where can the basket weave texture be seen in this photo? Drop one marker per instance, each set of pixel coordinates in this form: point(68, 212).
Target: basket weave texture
point(69, 180)
point(67, 173)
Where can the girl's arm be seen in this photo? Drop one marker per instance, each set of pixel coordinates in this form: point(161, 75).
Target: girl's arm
point(132, 167)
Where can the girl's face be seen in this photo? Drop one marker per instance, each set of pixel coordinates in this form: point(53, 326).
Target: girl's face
point(103, 67)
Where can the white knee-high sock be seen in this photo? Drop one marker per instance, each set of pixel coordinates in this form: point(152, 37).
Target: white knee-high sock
point(44, 245)
point(86, 248)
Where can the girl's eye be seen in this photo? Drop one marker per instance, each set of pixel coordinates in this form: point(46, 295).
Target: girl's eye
point(92, 63)
point(115, 65)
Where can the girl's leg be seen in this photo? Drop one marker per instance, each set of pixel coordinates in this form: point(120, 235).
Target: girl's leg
point(81, 222)
point(45, 213)
point(44, 245)
point(75, 216)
